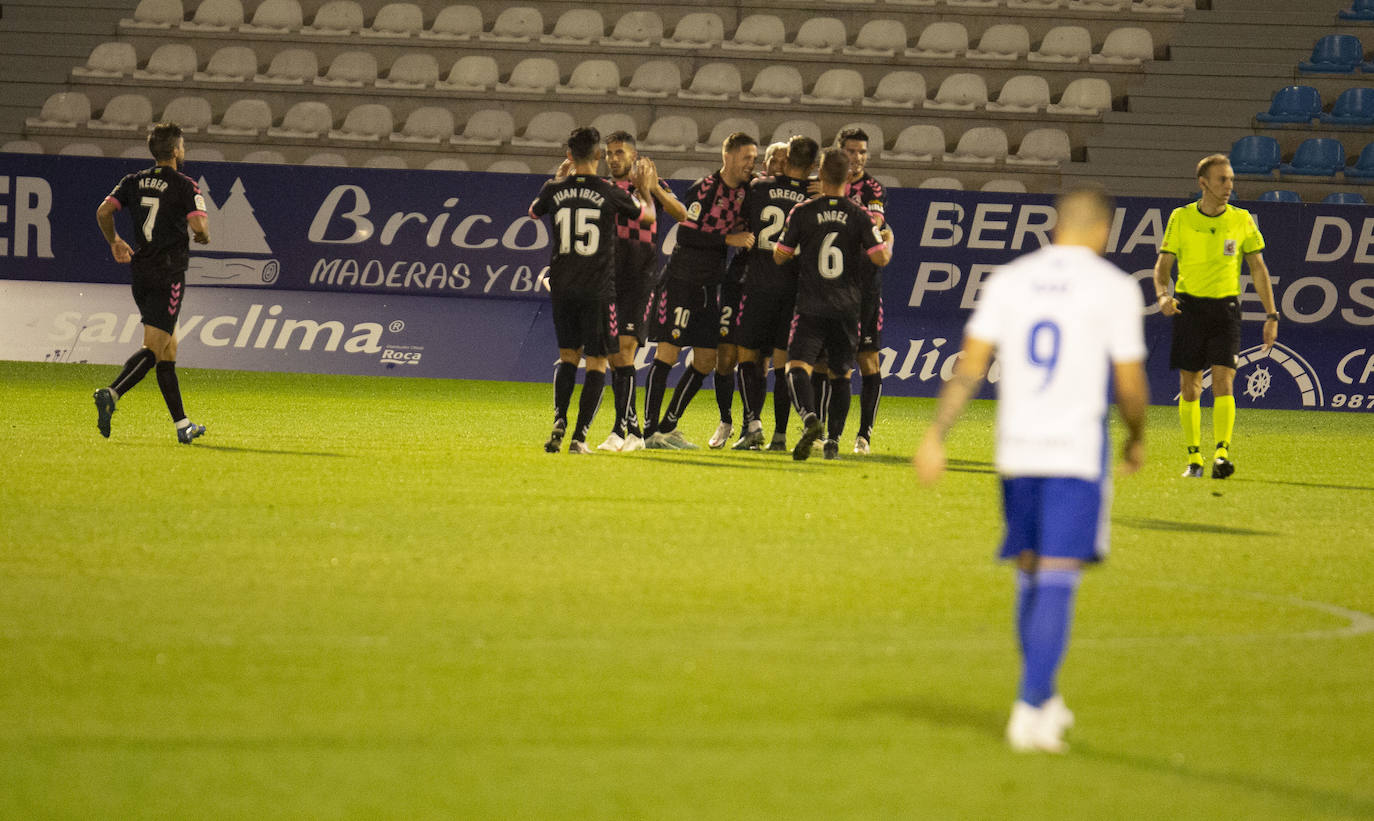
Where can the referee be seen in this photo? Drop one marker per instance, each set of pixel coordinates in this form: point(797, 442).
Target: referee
point(1209, 238)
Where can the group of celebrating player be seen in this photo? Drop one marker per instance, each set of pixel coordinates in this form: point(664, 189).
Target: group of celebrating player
point(803, 289)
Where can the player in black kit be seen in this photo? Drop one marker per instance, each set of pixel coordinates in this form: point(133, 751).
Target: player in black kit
point(829, 235)
point(770, 292)
point(162, 202)
point(869, 194)
point(583, 208)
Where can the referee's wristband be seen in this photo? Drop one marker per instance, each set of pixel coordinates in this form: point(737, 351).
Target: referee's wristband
point(1273, 316)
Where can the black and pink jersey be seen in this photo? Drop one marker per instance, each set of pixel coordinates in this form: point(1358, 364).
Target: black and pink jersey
point(831, 239)
point(632, 229)
point(713, 210)
point(869, 194)
point(159, 199)
point(583, 208)
point(767, 205)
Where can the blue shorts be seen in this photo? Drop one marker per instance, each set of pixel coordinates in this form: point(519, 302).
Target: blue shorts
point(1056, 516)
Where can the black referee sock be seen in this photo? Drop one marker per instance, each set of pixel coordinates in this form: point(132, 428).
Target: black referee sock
point(623, 390)
point(839, 406)
point(564, 380)
point(803, 396)
point(135, 368)
point(869, 394)
point(725, 395)
point(687, 388)
point(589, 403)
point(654, 389)
point(750, 390)
point(782, 401)
point(171, 389)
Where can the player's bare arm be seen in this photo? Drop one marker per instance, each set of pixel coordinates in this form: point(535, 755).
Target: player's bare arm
point(104, 217)
point(1164, 275)
point(740, 239)
point(883, 256)
point(200, 228)
point(1264, 286)
point(969, 371)
point(666, 198)
point(1132, 397)
point(645, 178)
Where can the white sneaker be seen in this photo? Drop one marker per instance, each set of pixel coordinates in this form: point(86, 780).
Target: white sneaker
point(613, 443)
point(861, 446)
point(676, 440)
point(632, 444)
point(578, 446)
point(658, 440)
point(721, 436)
point(1032, 730)
point(1056, 713)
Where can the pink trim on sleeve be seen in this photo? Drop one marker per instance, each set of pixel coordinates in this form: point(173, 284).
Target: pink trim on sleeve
point(115, 202)
point(875, 249)
point(784, 248)
point(195, 213)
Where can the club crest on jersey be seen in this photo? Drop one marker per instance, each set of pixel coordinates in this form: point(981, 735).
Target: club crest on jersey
point(1229, 248)
point(694, 212)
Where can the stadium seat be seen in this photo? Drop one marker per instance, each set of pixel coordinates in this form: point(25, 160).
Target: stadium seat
point(88, 150)
point(613, 121)
point(231, 64)
point(518, 24)
point(292, 66)
point(837, 86)
point(455, 23)
point(351, 69)
point(155, 14)
point(960, 92)
point(671, 133)
point(1293, 104)
point(1254, 154)
point(592, 77)
point(876, 141)
point(385, 161)
point(243, 118)
point(411, 71)
point(1335, 54)
point(980, 145)
point(1039, 5)
point(818, 35)
point(215, 15)
point(790, 128)
point(918, 143)
point(1175, 7)
point(264, 156)
point(898, 89)
point(65, 109)
point(1042, 146)
point(775, 84)
point(475, 72)
point(1004, 41)
point(635, 29)
point(447, 164)
point(170, 62)
point(396, 20)
point(1344, 198)
point(21, 147)
point(713, 81)
point(547, 129)
point(1316, 157)
point(1359, 10)
point(940, 41)
point(757, 32)
point(336, 18)
point(124, 112)
point(509, 167)
point(1022, 94)
point(879, 38)
point(199, 154)
point(135, 151)
point(490, 126)
point(1003, 186)
point(654, 79)
point(1355, 106)
point(698, 29)
point(532, 75)
point(691, 172)
point(428, 125)
point(945, 183)
point(332, 159)
point(724, 128)
point(577, 27)
point(275, 17)
point(973, 4)
point(308, 119)
point(1281, 195)
point(190, 112)
point(1084, 97)
point(109, 60)
point(1063, 44)
point(1363, 169)
point(1125, 47)
point(368, 122)
point(1099, 5)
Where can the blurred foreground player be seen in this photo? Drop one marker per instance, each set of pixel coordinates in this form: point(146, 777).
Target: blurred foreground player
point(162, 202)
point(1056, 319)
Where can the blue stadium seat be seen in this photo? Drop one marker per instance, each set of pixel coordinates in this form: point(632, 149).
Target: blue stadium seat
point(1293, 104)
point(1363, 169)
point(1355, 106)
point(1343, 198)
point(1335, 54)
point(1316, 157)
point(1255, 155)
point(1359, 10)
point(1281, 195)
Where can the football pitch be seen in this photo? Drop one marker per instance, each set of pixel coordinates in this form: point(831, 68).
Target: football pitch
point(363, 597)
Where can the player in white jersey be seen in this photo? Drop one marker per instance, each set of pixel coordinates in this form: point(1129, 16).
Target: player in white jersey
point(1066, 326)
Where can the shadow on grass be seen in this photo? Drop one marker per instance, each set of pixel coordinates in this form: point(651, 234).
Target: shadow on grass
point(271, 451)
point(1170, 526)
point(1321, 485)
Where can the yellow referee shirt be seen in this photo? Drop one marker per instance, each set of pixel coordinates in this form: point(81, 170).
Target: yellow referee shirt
point(1210, 249)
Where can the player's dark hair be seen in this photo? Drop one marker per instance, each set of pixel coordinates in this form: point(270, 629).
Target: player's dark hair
point(583, 142)
point(162, 140)
point(834, 166)
point(851, 133)
point(738, 140)
point(621, 137)
point(801, 151)
point(1206, 163)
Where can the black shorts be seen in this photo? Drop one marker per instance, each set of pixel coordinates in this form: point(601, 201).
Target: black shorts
point(586, 323)
point(1206, 332)
point(731, 296)
point(685, 314)
point(765, 320)
point(634, 287)
point(815, 335)
point(632, 311)
point(159, 294)
point(871, 320)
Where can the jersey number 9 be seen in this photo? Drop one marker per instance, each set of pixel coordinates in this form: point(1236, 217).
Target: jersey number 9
point(1042, 349)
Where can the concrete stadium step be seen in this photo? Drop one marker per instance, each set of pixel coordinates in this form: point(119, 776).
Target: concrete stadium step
point(1152, 106)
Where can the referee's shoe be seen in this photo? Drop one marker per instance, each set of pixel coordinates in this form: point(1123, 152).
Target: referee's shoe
point(1221, 465)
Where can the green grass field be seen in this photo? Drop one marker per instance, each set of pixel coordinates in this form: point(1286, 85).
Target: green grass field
point(378, 598)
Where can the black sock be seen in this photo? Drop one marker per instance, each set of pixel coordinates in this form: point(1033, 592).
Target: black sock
point(171, 389)
point(750, 390)
point(654, 389)
point(803, 395)
point(564, 380)
point(623, 388)
point(687, 388)
point(589, 403)
point(135, 369)
point(725, 394)
point(820, 387)
point(839, 406)
point(782, 401)
point(869, 395)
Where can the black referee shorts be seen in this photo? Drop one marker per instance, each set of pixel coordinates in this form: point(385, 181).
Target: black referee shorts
point(1206, 332)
